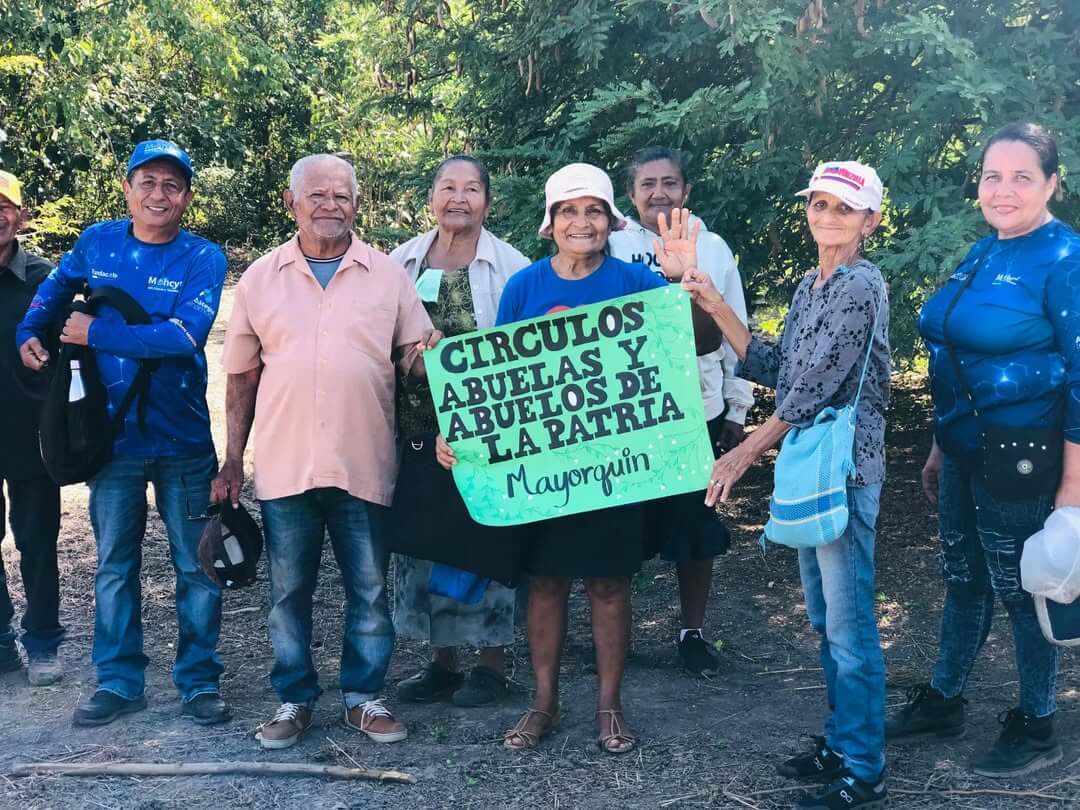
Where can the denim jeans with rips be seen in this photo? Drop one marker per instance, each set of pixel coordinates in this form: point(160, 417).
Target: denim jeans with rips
point(838, 581)
point(981, 540)
point(118, 515)
point(295, 527)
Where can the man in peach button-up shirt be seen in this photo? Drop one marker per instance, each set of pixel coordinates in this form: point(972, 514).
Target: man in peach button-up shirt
point(317, 328)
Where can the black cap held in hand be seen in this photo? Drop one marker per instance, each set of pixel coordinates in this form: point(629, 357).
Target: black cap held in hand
point(230, 546)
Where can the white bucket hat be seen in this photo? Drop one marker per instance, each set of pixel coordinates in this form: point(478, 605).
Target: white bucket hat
point(579, 180)
point(855, 183)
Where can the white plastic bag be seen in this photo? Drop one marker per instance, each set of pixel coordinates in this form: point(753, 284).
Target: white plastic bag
point(1050, 564)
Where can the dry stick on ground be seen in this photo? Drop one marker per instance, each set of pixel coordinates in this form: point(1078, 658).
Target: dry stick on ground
point(344, 753)
point(209, 768)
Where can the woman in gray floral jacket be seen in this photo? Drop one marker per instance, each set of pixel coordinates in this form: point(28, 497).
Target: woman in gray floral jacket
point(817, 364)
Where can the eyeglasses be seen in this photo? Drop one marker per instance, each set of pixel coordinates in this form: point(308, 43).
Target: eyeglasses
point(170, 188)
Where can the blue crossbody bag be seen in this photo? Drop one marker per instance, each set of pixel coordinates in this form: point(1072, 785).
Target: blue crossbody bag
point(809, 504)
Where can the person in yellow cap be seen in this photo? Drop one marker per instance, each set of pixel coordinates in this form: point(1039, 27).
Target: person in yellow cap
point(33, 498)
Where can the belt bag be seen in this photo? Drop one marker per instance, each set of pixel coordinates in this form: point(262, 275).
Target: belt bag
point(1020, 463)
point(809, 504)
point(1017, 462)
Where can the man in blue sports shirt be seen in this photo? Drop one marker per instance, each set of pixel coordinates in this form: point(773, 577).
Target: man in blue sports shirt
point(177, 277)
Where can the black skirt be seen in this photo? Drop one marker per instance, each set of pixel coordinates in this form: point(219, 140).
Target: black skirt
point(604, 543)
point(681, 527)
point(429, 521)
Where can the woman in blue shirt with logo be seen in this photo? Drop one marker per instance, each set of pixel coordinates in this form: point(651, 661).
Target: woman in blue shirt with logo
point(1005, 383)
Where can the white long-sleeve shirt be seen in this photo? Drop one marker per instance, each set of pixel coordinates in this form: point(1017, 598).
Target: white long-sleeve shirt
point(720, 387)
point(495, 262)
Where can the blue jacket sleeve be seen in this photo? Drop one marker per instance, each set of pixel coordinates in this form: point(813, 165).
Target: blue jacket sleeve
point(53, 294)
point(185, 333)
point(1063, 304)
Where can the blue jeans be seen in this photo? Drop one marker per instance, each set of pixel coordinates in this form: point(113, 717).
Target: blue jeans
point(981, 541)
point(118, 515)
point(838, 580)
point(295, 527)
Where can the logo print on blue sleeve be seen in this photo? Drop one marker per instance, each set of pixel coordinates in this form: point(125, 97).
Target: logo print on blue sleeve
point(162, 284)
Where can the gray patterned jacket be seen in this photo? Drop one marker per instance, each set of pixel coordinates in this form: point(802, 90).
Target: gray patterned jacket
point(819, 358)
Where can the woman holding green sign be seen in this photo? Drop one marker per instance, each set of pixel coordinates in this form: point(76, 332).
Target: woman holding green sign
point(459, 269)
point(603, 547)
point(834, 345)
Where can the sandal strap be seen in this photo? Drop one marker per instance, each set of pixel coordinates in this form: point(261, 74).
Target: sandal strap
point(523, 721)
point(530, 737)
point(616, 733)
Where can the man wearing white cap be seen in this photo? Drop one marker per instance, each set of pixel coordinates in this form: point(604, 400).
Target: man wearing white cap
point(835, 344)
point(34, 497)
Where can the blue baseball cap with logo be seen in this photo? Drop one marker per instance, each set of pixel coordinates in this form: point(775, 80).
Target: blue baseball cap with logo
point(160, 149)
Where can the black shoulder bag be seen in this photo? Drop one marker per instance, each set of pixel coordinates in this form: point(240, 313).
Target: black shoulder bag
point(1017, 462)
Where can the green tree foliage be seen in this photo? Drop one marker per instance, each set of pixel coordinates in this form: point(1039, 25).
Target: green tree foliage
point(756, 92)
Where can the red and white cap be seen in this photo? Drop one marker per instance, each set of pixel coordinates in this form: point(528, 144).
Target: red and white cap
point(579, 180)
point(855, 183)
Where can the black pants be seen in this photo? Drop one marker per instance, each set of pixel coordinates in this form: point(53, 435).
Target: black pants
point(35, 522)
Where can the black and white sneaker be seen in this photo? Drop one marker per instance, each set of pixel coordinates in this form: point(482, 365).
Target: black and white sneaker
point(822, 764)
point(846, 792)
point(695, 654)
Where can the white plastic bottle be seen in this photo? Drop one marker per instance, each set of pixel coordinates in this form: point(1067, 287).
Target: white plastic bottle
point(76, 390)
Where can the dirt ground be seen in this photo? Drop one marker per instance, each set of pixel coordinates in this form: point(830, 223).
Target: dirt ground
point(704, 742)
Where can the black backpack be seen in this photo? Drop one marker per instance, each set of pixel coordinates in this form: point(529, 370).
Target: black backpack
point(77, 436)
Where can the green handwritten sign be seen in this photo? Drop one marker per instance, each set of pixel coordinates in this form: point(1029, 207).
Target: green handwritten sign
point(591, 407)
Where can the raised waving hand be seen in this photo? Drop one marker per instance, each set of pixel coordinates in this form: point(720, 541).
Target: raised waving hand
point(676, 249)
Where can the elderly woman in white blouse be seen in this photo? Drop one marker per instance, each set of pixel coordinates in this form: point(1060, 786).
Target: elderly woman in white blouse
point(459, 269)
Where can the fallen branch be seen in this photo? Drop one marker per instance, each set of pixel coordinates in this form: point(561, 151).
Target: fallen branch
point(209, 769)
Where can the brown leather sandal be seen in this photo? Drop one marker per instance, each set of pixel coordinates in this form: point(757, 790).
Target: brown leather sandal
point(616, 741)
point(519, 738)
